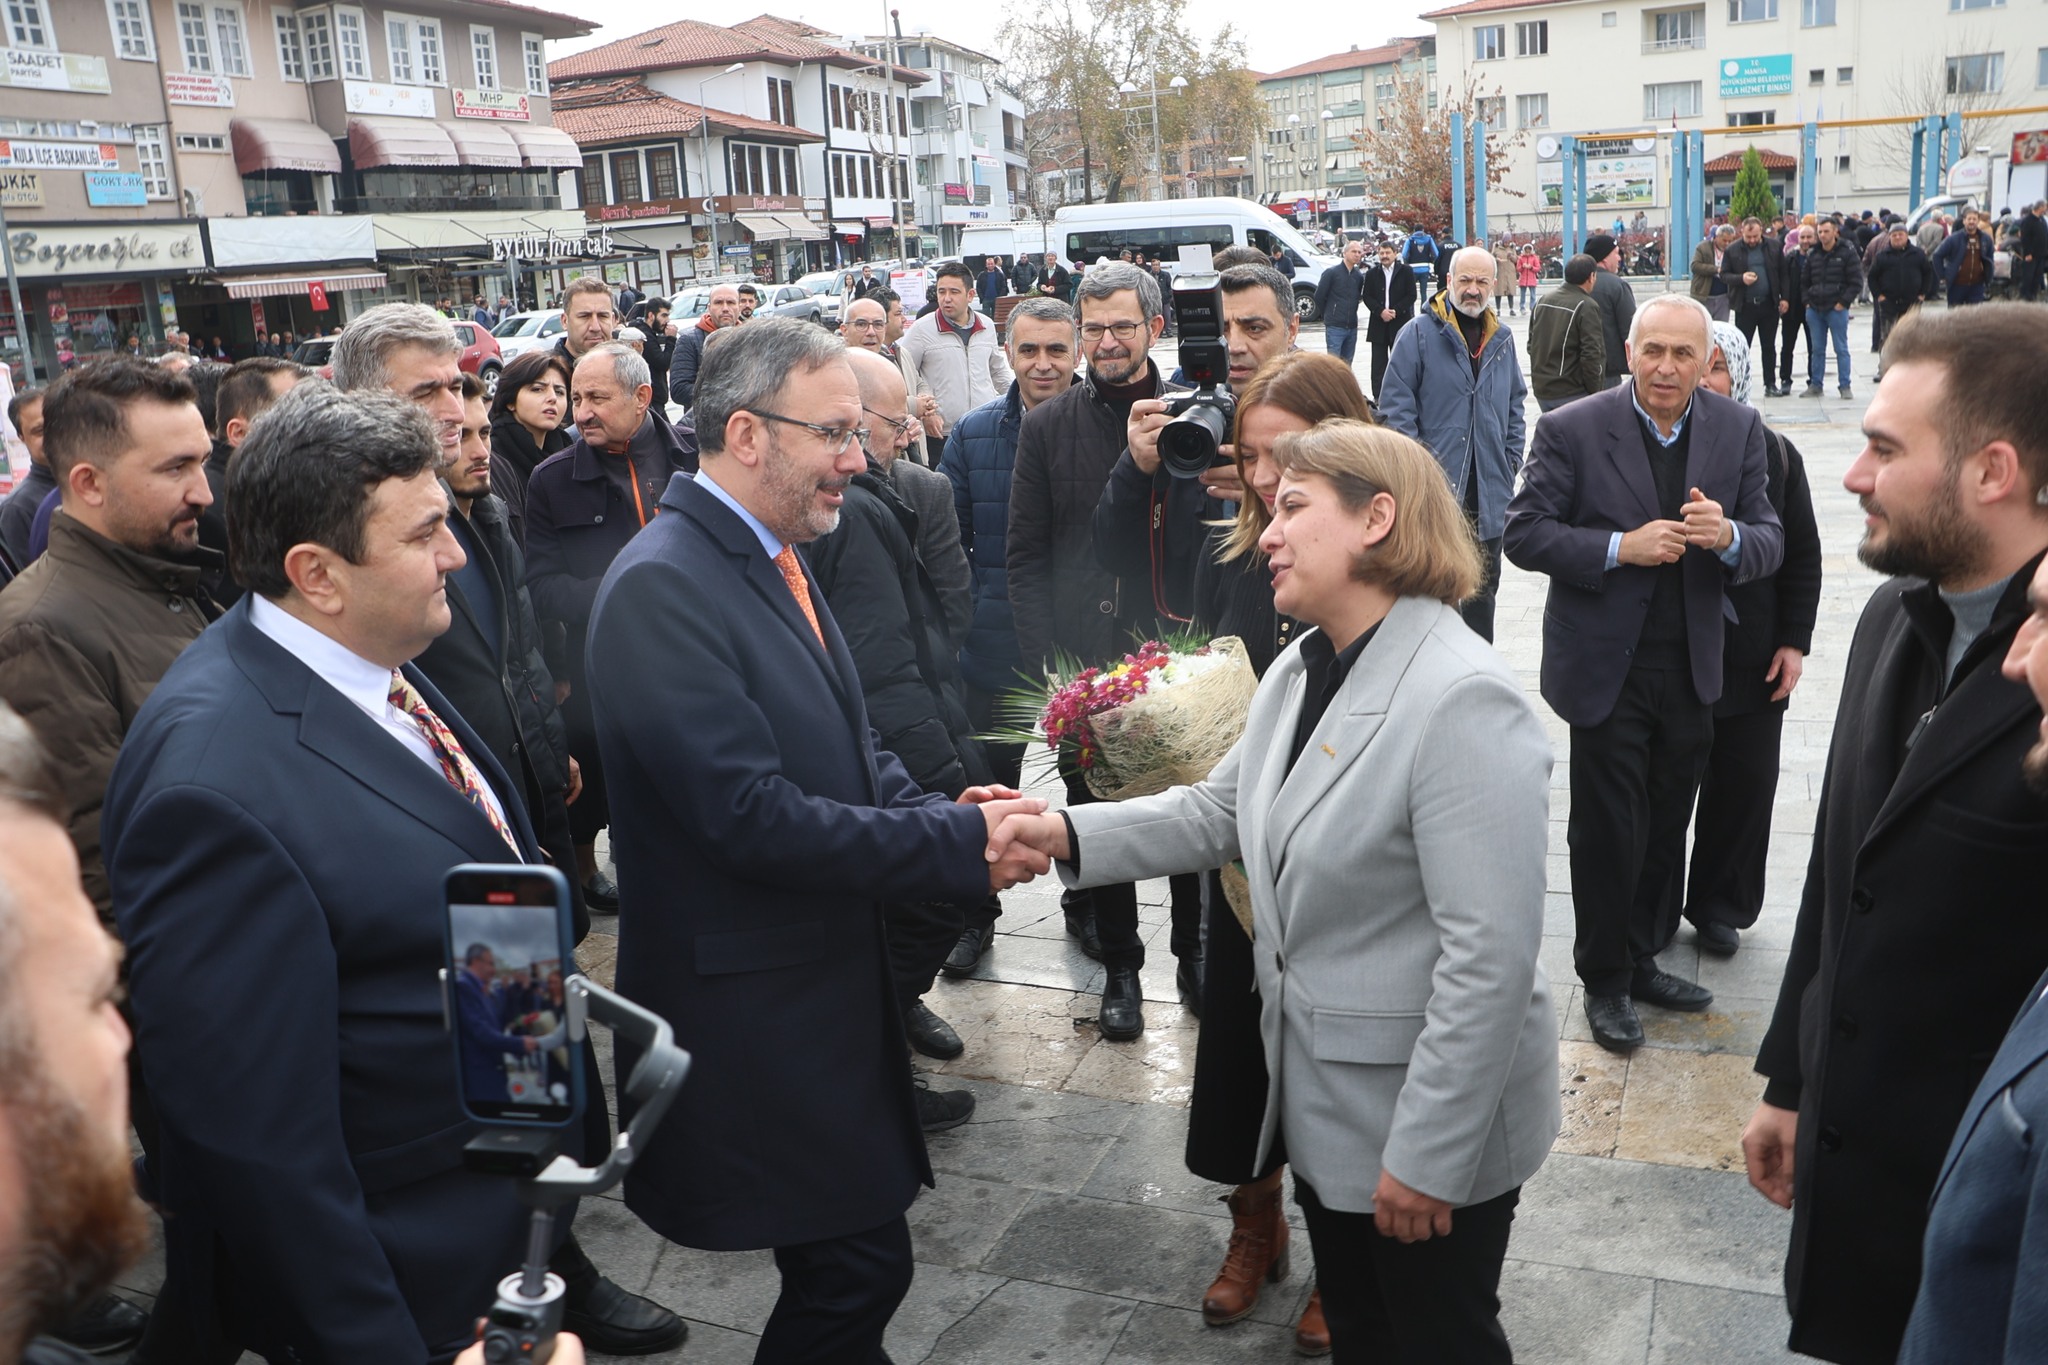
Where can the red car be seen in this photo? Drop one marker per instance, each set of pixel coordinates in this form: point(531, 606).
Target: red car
point(479, 355)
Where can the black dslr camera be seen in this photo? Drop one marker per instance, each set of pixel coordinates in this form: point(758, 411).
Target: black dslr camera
point(1201, 420)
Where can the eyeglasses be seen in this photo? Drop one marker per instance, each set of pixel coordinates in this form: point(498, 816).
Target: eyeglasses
point(868, 324)
point(901, 428)
point(1122, 331)
point(836, 439)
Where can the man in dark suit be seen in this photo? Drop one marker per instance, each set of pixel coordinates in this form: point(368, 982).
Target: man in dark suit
point(310, 1132)
point(758, 830)
point(480, 1022)
point(1920, 933)
point(1622, 506)
point(1986, 1252)
point(1387, 303)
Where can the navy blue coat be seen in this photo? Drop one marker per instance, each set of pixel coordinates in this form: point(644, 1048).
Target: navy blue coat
point(1986, 1254)
point(758, 828)
point(979, 455)
point(276, 860)
point(1587, 477)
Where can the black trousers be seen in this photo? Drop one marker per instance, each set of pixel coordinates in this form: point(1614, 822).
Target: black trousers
point(1791, 327)
point(1478, 608)
point(592, 812)
point(1115, 907)
point(1005, 760)
point(1731, 834)
point(1884, 317)
point(920, 934)
point(837, 1298)
point(1227, 1106)
point(1380, 351)
point(1762, 323)
point(1633, 779)
point(1419, 1303)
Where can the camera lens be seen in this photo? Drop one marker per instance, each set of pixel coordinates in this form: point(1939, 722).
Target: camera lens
point(1188, 444)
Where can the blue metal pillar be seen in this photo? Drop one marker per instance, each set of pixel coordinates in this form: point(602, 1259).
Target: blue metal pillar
point(1567, 190)
point(1674, 266)
point(1809, 167)
point(1479, 180)
point(1953, 142)
point(1579, 192)
point(1917, 176)
point(1458, 177)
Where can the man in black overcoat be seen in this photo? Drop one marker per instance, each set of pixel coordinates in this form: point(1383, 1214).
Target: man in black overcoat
point(1920, 931)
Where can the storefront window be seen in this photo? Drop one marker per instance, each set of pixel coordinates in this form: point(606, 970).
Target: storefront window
point(274, 193)
point(436, 189)
point(72, 323)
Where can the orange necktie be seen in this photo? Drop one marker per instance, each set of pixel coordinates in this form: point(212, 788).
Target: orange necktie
point(799, 588)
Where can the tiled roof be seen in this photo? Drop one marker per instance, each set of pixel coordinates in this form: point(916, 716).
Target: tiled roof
point(1488, 6)
point(576, 22)
point(1395, 51)
point(1773, 161)
point(692, 42)
point(600, 113)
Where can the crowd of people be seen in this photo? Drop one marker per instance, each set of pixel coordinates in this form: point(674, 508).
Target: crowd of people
point(293, 648)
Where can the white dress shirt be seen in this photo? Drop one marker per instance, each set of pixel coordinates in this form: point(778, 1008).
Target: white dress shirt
point(366, 685)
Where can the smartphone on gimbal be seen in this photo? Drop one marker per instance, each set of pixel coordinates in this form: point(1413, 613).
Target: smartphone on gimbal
point(509, 959)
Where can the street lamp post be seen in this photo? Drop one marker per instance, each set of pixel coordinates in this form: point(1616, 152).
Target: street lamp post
point(704, 117)
point(1158, 154)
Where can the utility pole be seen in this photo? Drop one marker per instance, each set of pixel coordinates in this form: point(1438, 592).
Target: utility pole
point(28, 359)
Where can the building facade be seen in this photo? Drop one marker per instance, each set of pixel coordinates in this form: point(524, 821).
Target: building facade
point(965, 137)
point(239, 167)
point(1748, 72)
point(1308, 163)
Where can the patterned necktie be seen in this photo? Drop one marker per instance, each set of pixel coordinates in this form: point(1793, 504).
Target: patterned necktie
point(455, 764)
point(799, 588)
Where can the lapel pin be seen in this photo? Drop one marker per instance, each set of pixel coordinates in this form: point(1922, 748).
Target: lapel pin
point(1328, 750)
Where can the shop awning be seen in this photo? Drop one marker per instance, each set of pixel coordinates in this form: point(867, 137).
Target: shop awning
point(278, 286)
point(374, 142)
point(780, 227)
point(483, 144)
point(269, 144)
point(846, 228)
point(542, 145)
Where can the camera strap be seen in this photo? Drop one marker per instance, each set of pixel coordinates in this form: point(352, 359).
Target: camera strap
point(1156, 538)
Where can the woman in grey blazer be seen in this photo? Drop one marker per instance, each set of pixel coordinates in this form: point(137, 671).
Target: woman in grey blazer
point(1389, 799)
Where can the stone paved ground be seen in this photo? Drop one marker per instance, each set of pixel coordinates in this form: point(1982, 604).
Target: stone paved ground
point(1066, 1229)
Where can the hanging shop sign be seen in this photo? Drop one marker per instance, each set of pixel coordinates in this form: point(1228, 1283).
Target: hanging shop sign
point(958, 194)
point(114, 189)
point(21, 189)
point(406, 101)
point(60, 156)
point(140, 249)
point(207, 92)
point(28, 70)
point(491, 104)
point(552, 245)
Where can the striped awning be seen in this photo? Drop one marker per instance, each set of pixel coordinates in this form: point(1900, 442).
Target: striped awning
point(483, 144)
point(280, 286)
point(264, 144)
point(541, 144)
point(374, 142)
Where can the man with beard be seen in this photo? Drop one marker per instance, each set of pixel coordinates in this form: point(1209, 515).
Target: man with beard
point(760, 830)
point(1920, 932)
point(1465, 404)
point(1986, 1252)
point(69, 1218)
point(722, 309)
point(588, 318)
point(245, 392)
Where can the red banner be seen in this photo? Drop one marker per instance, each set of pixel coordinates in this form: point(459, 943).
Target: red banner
point(317, 292)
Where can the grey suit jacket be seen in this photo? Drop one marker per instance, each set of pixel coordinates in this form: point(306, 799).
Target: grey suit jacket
point(1397, 878)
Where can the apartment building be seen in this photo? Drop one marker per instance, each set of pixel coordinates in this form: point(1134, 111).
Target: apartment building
point(1307, 163)
point(1748, 72)
point(804, 131)
point(238, 167)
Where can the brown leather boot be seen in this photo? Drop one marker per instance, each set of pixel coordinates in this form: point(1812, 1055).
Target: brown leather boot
point(1257, 1254)
point(1312, 1334)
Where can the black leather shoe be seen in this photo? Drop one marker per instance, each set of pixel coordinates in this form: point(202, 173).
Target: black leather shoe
point(107, 1326)
point(1122, 1016)
point(1187, 979)
point(1719, 939)
point(938, 1110)
point(968, 952)
point(931, 1035)
point(1615, 1026)
point(612, 1322)
point(601, 894)
point(1084, 930)
point(1670, 992)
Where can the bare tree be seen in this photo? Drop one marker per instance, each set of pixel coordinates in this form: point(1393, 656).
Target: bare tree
point(1923, 84)
point(1408, 172)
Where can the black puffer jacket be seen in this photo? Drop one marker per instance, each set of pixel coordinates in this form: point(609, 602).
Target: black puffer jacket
point(1062, 598)
point(888, 609)
point(1902, 275)
point(1831, 277)
point(1236, 598)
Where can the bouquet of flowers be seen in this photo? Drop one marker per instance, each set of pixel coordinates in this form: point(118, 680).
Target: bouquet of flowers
point(1163, 716)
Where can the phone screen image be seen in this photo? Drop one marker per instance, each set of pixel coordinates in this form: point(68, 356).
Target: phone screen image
point(510, 1008)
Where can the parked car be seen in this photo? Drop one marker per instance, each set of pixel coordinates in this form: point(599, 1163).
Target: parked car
point(777, 300)
point(480, 356)
point(828, 287)
point(317, 355)
point(523, 332)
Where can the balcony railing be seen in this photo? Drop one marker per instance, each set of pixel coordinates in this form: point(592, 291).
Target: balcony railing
point(1683, 43)
point(1012, 144)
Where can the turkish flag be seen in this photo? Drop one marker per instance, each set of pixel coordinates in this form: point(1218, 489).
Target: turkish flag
point(317, 292)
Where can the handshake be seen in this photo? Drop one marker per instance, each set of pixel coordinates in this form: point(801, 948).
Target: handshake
point(1023, 838)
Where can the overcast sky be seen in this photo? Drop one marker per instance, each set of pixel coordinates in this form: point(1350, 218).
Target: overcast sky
point(1304, 32)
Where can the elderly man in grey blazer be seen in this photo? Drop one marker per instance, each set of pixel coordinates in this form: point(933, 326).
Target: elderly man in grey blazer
point(1392, 766)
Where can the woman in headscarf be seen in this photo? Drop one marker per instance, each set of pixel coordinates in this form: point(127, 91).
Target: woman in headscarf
point(1766, 649)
